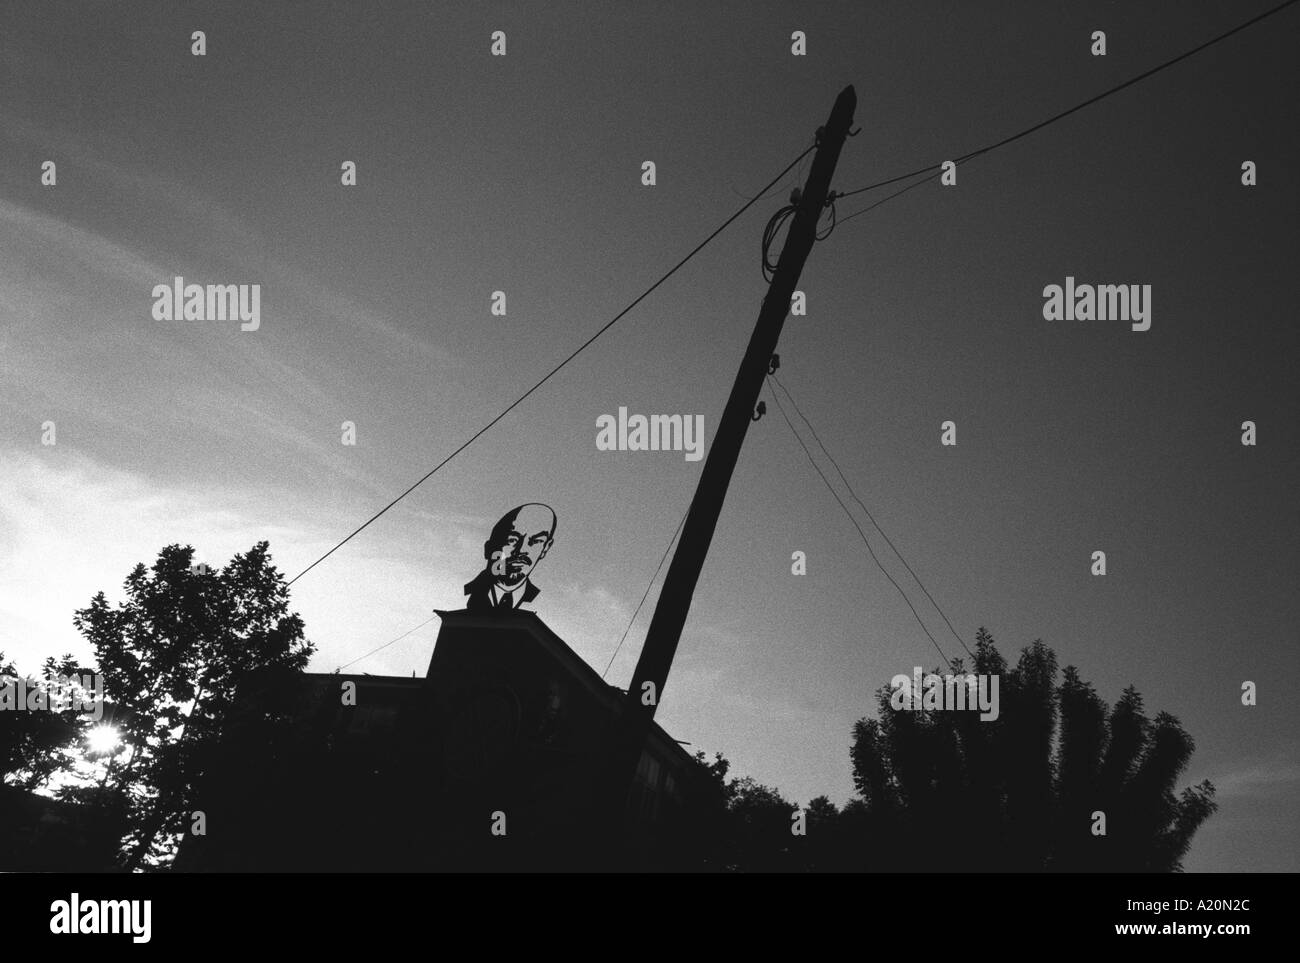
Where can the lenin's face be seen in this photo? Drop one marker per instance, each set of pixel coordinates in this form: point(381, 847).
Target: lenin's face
point(524, 545)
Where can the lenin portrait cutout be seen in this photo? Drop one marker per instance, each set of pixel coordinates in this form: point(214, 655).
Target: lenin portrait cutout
point(519, 541)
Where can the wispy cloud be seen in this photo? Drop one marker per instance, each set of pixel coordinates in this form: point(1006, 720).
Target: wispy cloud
point(80, 246)
point(1272, 777)
point(230, 240)
point(71, 526)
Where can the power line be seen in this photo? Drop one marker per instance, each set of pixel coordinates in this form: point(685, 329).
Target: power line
point(386, 644)
point(865, 541)
point(854, 494)
point(769, 237)
point(754, 199)
point(889, 197)
point(514, 404)
point(930, 172)
point(775, 222)
point(796, 180)
point(646, 594)
point(1066, 113)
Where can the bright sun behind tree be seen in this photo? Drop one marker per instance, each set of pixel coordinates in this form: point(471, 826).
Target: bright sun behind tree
point(103, 739)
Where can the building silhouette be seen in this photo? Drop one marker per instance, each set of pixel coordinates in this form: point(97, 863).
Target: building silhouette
point(489, 762)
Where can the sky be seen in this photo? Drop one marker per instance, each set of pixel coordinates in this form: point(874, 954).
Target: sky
point(523, 174)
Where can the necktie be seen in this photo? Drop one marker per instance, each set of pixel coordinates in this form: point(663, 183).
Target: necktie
point(503, 600)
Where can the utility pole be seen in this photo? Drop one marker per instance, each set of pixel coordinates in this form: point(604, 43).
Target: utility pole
point(647, 686)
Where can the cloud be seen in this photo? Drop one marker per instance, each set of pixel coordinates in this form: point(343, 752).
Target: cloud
point(149, 187)
point(1261, 778)
point(85, 247)
point(71, 525)
point(231, 241)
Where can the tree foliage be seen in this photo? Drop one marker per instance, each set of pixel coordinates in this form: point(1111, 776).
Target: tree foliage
point(37, 745)
point(941, 791)
point(944, 790)
point(176, 656)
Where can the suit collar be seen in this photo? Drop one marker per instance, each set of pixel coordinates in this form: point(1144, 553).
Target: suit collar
point(483, 581)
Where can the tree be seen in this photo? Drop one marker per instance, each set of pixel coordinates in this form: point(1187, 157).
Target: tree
point(821, 849)
point(38, 740)
point(944, 790)
point(184, 657)
point(747, 824)
point(760, 819)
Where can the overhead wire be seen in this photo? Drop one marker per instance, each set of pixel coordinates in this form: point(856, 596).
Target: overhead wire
point(769, 236)
point(865, 541)
point(890, 197)
point(796, 179)
point(646, 594)
point(1063, 114)
point(387, 644)
point(780, 384)
point(547, 377)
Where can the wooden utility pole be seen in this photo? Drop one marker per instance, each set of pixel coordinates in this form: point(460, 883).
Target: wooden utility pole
point(647, 687)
